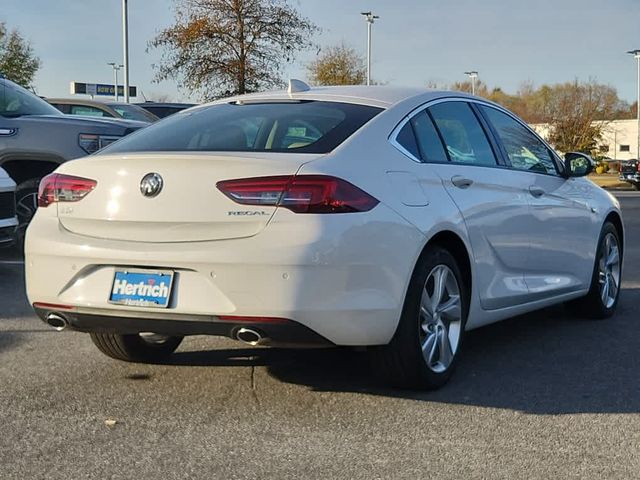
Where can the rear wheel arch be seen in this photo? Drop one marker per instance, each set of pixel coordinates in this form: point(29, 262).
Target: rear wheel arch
point(453, 243)
point(26, 167)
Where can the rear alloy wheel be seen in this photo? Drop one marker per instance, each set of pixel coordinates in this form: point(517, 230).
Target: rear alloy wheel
point(604, 292)
point(440, 319)
point(424, 350)
point(140, 347)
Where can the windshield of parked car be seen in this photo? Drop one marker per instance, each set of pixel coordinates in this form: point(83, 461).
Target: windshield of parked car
point(285, 126)
point(16, 101)
point(133, 112)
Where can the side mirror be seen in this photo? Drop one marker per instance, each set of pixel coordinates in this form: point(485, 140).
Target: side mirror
point(577, 164)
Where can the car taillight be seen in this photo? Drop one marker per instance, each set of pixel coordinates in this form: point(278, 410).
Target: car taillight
point(300, 194)
point(63, 188)
point(638, 166)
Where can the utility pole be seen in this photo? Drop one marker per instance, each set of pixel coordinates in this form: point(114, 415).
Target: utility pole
point(125, 42)
point(472, 75)
point(636, 55)
point(370, 18)
point(115, 67)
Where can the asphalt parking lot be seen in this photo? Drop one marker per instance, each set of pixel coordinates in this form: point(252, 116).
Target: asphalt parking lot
point(540, 396)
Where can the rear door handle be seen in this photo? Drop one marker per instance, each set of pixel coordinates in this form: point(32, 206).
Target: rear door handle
point(461, 182)
point(7, 132)
point(536, 191)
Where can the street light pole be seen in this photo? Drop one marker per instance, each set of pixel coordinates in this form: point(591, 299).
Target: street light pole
point(115, 67)
point(472, 75)
point(636, 55)
point(370, 18)
point(125, 42)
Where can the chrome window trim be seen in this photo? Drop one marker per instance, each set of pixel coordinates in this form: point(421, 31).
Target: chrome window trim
point(394, 133)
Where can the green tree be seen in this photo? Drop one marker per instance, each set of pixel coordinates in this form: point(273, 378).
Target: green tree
point(338, 65)
point(226, 47)
point(17, 61)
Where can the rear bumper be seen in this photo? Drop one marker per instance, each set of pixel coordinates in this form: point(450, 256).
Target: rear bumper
point(285, 333)
point(343, 277)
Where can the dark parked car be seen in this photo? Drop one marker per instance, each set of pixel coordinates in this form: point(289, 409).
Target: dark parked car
point(630, 172)
point(35, 138)
point(164, 109)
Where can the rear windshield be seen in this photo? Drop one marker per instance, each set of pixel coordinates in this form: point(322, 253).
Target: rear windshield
point(133, 112)
point(296, 126)
point(16, 101)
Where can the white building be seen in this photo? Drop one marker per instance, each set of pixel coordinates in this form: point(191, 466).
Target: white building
point(619, 139)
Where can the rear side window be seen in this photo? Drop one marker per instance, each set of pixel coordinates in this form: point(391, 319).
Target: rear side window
point(407, 140)
point(297, 126)
point(428, 140)
point(462, 133)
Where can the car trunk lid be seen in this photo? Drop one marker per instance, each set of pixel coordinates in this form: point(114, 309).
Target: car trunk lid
point(188, 207)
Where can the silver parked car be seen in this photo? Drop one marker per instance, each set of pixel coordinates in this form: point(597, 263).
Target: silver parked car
point(95, 108)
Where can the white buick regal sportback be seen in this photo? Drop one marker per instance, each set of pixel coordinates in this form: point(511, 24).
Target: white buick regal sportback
point(383, 217)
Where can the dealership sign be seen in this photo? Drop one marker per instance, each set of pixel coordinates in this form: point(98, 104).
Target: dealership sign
point(100, 89)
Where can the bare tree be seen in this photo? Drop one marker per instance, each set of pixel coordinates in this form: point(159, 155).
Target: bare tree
point(338, 65)
point(225, 47)
point(17, 61)
point(572, 109)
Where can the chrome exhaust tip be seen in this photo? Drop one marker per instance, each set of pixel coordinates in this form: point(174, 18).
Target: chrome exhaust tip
point(57, 321)
point(249, 336)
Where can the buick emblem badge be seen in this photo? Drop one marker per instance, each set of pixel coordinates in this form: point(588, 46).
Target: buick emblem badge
point(151, 185)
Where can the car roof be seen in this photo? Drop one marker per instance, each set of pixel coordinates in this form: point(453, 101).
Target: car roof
point(376, 95)
point(165, 104)
point(78, 101)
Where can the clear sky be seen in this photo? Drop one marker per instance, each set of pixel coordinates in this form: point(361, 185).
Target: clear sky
point(415, 41)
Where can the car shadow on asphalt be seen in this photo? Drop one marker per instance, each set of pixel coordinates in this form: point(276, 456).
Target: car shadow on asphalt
point(541, 363)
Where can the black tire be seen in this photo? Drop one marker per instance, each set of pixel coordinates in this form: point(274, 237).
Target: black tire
point(636, 186)
point(402, 362)
point(26, 205)
point(135, 348)
point(592, 305)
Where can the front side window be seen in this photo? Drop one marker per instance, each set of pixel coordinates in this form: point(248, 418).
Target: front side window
point(287, 126)
point(462, 133)
point(524, 149)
